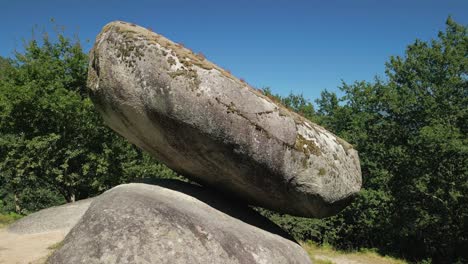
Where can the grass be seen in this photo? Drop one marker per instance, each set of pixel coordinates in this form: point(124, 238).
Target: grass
point(6, 219)
point(52, 249)
point(328, 255)
point(55, 246)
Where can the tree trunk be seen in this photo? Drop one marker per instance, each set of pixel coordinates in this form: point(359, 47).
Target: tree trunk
point(17, 206)
point(72, 198)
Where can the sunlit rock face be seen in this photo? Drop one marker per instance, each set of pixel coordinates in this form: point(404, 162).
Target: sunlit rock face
point(215, 129)
point(174, 223)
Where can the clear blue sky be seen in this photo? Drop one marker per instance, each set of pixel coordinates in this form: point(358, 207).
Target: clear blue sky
point(298, 46)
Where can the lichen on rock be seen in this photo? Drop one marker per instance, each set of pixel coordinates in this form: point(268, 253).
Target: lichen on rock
point(210, 126)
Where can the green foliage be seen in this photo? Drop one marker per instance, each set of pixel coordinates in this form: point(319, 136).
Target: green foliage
point(4, 65)
point(326, 253)
point(54, 147)
point(427, 105)
point(411, 134)
point(296, 103)
point(6, 219)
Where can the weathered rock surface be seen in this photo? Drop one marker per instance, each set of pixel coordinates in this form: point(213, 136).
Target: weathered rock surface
point(174, 223)
point(215, 129)
point(62, 218)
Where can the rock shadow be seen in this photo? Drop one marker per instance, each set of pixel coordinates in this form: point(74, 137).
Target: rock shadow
point(219, 201)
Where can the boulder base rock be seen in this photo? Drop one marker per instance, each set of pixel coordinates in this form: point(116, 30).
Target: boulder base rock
point(62, 217)
point(174, 223)
point(214, 128)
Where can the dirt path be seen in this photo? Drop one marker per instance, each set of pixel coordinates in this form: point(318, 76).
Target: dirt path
point(29, 239)
point(28, 248)
point(337, 259)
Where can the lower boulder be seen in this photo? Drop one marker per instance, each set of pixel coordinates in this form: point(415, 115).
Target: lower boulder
point(62, 218)
point(174, 222)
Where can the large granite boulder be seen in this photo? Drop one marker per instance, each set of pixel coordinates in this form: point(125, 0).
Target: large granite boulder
point(174, 223)
point(62, 217)
point(214, 128)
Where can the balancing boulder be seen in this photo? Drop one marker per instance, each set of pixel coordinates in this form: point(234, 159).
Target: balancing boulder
point(208, 125)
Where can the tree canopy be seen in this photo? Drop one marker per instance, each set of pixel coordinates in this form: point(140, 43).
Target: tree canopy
point(53, 145)
point(411, 133)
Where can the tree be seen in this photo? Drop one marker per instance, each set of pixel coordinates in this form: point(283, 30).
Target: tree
point(427, 105)
point(411, 133)
point(52, 141)
point(4, 65)
point(296, 103)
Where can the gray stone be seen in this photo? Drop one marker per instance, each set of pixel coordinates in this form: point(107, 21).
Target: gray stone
point(62, 217)
point(174, 222)
point(207, 125)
